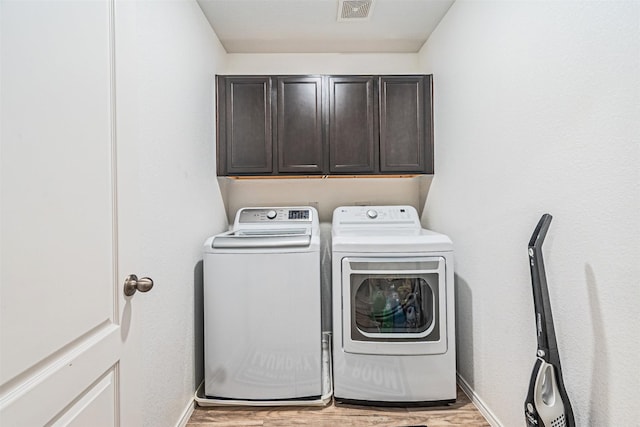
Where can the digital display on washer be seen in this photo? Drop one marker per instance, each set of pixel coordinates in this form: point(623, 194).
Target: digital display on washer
point(299, 214)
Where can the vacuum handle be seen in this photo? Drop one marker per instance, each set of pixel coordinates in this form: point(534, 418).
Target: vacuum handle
point(540, 232)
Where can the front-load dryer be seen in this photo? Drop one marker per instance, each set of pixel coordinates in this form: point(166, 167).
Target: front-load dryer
point(263, 338)
point(393, 308)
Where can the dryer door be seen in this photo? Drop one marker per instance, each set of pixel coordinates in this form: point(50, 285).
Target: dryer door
point(394, 306)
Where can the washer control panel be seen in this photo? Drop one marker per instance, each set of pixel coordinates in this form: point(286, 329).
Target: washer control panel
point(264, 215)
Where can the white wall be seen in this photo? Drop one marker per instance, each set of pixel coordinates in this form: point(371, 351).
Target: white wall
point(322, 63)
point(537, 109)
point(169, 58)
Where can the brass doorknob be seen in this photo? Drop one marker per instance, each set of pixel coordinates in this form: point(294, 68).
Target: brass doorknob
point(133, 284)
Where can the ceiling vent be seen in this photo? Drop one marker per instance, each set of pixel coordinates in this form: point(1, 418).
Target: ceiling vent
point(354, 10)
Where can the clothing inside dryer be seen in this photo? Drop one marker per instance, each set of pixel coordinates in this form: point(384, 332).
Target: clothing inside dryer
point(394, 304)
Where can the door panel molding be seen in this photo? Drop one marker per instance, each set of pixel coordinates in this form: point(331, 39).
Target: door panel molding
point(77, 369)
point(94, 407)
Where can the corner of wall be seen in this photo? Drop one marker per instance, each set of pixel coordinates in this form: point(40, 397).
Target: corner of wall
point(478, 402)
point(424, 183)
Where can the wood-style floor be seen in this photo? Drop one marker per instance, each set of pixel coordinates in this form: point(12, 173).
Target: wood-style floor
point(461, 413)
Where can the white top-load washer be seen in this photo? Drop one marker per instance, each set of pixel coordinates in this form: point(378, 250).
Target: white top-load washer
point(393, 308)
point(262, 307)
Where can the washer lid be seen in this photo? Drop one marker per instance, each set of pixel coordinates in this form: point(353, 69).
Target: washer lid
point(243, 239)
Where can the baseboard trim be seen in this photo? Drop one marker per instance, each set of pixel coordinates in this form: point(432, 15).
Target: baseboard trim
point(482, 407)
point(186, 414)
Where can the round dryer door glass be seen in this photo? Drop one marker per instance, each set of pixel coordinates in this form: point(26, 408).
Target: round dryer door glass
point(393, 299)
point(386, 304)
point(394, 304)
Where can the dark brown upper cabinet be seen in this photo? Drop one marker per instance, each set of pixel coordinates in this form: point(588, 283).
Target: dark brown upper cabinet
point(245, 137)
point(299, 140)
point(406, 142)
point(306, 125)
point(353, 125)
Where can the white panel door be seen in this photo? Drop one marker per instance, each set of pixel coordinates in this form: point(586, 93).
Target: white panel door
point(67, 334)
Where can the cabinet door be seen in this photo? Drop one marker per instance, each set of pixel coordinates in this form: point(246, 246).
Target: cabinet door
point(245, 143)
point(406, 142)
point(353, 130)
point(299, 131)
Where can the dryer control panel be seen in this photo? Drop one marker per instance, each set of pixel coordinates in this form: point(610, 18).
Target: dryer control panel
point(394, 216)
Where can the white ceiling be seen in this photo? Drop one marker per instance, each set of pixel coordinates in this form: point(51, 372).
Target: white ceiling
point(311, 26)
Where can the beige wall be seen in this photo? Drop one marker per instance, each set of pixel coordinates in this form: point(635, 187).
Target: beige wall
point(323, 194)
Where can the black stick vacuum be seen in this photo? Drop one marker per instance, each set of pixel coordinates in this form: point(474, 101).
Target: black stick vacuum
point(547, 403)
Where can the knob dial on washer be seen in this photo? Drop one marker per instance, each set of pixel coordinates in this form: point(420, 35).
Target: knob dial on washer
point(372, 214)
point(272, 214)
